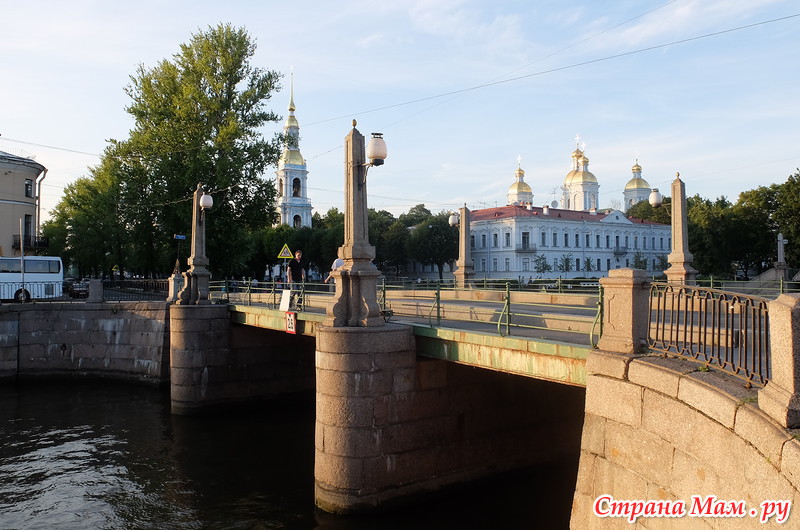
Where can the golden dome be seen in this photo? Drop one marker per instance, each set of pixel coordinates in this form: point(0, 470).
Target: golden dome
point(637, 183)
point(519, 187)
point(292, 156)
point(577, 176)
point(636, 168)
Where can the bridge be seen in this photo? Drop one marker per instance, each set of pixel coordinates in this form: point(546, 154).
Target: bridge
point(418, 404)
point(543, 334)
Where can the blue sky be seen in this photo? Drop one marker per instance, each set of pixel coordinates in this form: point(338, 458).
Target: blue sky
point(722, 110)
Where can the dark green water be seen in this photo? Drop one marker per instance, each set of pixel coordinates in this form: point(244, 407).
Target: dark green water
point(110, 455)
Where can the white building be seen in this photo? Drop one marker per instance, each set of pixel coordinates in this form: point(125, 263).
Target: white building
point(576, 240)
point(293, 204)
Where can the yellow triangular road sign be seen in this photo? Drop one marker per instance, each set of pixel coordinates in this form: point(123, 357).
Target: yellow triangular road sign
point(285, 252)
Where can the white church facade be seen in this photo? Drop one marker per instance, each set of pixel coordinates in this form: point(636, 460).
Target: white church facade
point(573, 240)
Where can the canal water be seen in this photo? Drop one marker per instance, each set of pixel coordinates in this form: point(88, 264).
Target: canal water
point(93, 454)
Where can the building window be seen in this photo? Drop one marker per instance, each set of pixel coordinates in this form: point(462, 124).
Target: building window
point(526, 264)
point(28, 188)
point(587, 241)
point(608, 241)
point(653, 241)
point(577, 240)
point(555, 239)
point(662, 243)
point(566, 240)
point(627, 263)
point(494, 240)
point(597, 241)
point(471, 241)
point(608, 264)
point(577, 264)
point(526, 240)
point(508, 239)
point(508, 264)
point(483, 240)
point(483, 264)
point(644, 242)
point(297, 222)
point(27, 229)
point(598, 264)
point(544, 239)
point(296, 188)
point(616, 241)
point(555, 264)
point(626, 241)
point(494, 264)
point(635, 241)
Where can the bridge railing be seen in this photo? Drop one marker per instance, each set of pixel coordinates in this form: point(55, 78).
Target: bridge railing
point(719, 329)
point(572, 317)
point(558, 285)
point(312, 295)
point(759, 288)
point(136, 290)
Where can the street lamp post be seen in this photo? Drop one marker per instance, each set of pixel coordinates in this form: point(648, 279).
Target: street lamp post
point(464, 271)
point(780, 265)
point(195, 280)
point(355, 303)
point(680, 259)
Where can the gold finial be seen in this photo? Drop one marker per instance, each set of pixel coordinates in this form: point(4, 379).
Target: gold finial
point(354, 123)
point(677, 175)
point(291, 93)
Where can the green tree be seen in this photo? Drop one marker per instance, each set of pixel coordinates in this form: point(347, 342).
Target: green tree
point(434, 242)
point(379, 222)
point(588, 266)
point(565, 262)
point(416, 215)
point(540, 264)
point(659, 214)
point(786, 216)
point(396, 253)
point(197, 119)
point(640, 261)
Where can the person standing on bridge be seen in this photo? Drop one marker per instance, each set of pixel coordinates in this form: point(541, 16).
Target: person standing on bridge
point(337, 263)
point(296, 274)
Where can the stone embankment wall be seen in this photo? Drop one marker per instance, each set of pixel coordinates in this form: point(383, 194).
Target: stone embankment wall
point(391, 425)
point(660, 429)
point(127, 340)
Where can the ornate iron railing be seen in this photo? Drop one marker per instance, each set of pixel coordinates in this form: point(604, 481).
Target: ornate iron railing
point(722, 330)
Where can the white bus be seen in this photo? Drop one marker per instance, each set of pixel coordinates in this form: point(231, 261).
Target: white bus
point(43, 277)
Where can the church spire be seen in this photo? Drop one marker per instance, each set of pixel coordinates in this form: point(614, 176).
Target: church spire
point(291, 94)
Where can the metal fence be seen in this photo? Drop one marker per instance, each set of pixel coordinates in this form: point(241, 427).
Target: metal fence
point(135, 290)
point(27, 291)
point(576, 317)
point(719, 329)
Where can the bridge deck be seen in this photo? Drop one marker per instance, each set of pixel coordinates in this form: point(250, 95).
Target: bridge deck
point(542, 354)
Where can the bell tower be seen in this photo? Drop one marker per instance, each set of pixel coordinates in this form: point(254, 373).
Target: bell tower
point(291, 179)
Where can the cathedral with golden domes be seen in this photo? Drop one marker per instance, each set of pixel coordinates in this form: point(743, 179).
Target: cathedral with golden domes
point(571, 238)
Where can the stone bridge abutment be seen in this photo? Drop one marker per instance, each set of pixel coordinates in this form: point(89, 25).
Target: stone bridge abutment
point(659, 429)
